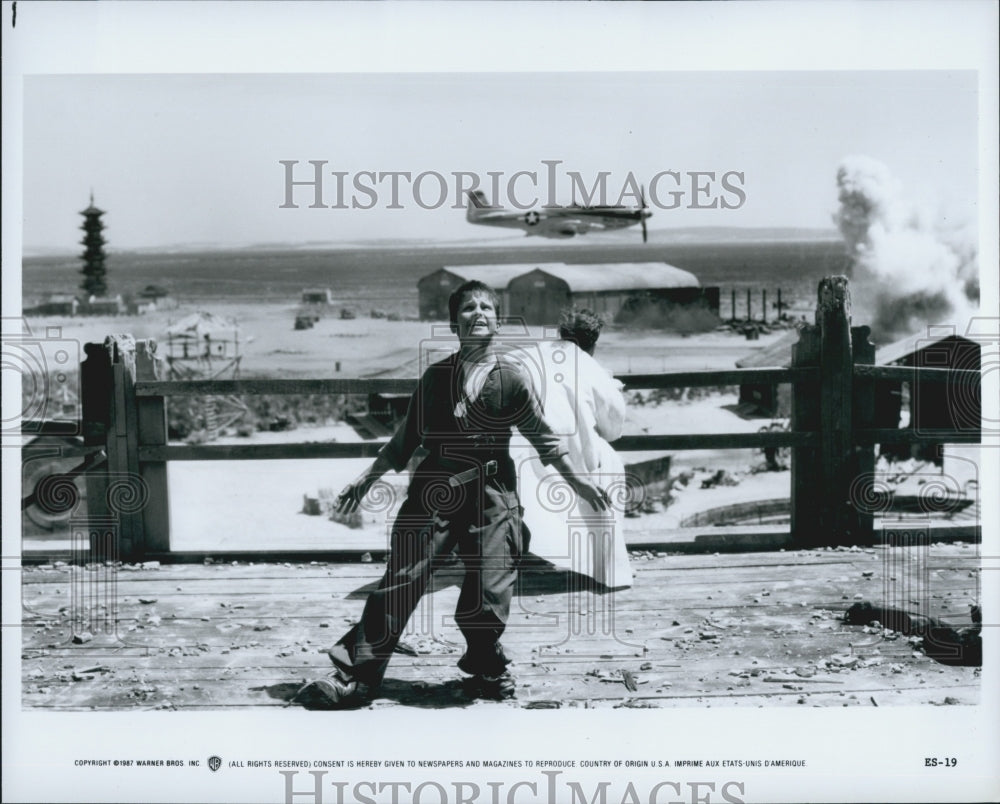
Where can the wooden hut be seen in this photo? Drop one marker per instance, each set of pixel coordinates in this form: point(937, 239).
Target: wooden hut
point(769, 399)
point(317, 296)
point(928, 406)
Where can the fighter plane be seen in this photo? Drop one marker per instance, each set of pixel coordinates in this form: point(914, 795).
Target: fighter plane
point(558, 222)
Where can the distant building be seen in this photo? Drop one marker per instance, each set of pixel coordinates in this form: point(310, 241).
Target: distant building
point(66, 304)
point(317, 296)
point(98, 305)
point(150, 298)
point(928, 406)
point(383, 411)
point(651, 294)
point(925, 406)
point(56, 304)
point(434, 289)
point(158, 296)
point(640, 294)
point(769, 398)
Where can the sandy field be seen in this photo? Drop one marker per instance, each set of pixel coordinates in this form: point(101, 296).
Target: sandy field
point(270, 346)
point(245, 505)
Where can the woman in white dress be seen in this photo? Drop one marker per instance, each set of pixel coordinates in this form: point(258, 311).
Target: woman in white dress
point(583, 403)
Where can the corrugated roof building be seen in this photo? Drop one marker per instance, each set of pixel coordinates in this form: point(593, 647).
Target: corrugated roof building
point(434, 289)
point(651, 294)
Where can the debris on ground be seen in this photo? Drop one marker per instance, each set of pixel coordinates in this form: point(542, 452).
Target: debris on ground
point(619, 676)
point(720, 478)
point(798, 680)
point(629, 678)
point(940, 641)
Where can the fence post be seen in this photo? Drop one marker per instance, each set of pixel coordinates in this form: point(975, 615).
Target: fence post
point(863, 417)
point(126, 492)
point(806, 472)
point(95, 409)
point(835, 519)
point(151, 412)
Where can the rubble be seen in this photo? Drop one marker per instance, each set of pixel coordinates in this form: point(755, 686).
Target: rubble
point(720, 478)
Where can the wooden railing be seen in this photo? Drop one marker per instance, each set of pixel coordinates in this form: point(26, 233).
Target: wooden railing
point(832, 427)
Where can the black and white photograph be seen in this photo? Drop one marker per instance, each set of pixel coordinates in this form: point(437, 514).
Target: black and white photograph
point(482, 403)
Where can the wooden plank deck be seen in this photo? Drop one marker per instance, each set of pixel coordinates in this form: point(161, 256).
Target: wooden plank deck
point(736, 629)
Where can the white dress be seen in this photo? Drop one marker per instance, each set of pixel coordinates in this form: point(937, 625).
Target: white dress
point(583, 403)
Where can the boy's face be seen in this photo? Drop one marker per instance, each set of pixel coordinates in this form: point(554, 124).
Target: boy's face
point(477, 317)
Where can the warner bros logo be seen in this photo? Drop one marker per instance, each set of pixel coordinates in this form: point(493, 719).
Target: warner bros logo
point(214, 763)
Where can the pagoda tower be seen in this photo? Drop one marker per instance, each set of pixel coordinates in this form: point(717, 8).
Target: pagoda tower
point(93, 257)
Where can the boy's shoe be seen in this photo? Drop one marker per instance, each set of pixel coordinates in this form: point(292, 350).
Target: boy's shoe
point(336, 691)
point(492, 688)
point(484, 663)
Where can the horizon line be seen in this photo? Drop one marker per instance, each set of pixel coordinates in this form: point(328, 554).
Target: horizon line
point(817, 232)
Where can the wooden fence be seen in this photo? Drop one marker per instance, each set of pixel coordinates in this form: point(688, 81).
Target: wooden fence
point(832, 434)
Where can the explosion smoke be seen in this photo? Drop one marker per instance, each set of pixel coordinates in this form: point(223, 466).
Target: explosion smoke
point(907, 272)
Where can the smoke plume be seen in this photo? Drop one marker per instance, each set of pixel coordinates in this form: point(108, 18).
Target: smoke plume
point(908, 271)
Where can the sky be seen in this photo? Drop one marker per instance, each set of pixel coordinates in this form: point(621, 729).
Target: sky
point(179, 159)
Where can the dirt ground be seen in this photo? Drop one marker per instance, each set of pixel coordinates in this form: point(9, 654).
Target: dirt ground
point(270, 346)
point(730, 630)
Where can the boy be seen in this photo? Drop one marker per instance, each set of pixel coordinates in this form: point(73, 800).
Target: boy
point(462, 413)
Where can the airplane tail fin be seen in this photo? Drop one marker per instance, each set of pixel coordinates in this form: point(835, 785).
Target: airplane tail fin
point(477, 202)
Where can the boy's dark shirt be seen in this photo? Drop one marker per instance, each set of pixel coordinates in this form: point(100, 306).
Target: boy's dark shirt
point(461, 434)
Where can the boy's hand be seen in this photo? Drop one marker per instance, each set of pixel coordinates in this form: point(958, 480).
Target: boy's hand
point(350, 498)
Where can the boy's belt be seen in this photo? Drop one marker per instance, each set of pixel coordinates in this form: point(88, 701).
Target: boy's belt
point(488, 469)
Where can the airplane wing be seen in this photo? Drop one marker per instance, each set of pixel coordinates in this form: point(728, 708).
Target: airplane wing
point(562, 226)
